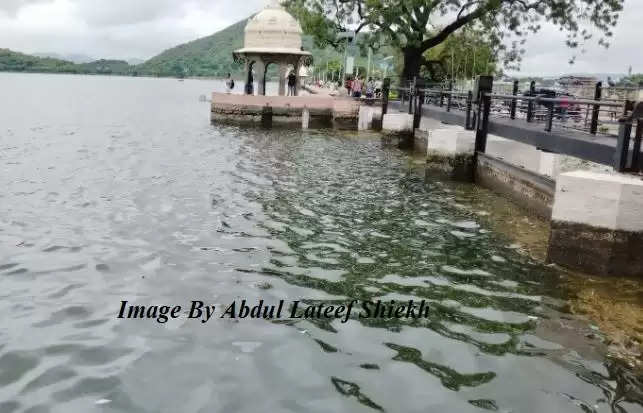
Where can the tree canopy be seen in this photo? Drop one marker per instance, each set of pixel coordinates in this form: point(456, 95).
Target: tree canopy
point(415, 26)
point(463, 55)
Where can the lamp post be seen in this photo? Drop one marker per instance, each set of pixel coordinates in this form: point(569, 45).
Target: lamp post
point(350, 37)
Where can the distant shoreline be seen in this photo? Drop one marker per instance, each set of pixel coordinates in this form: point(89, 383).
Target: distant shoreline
point(117, 75)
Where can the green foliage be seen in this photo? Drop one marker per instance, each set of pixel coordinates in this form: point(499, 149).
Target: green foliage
point(633, 80)
point(17, 62)
point(207, 56)
point(11, 61)
point(465, 54)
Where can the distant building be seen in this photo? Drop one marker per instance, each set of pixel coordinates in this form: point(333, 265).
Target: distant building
point(579, 86)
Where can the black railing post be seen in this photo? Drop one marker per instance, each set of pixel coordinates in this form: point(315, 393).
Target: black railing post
point(636, 154)
point(514, 101)
point(450, 97)
point(623, 140)
point(266, 116)
point(485, 86)
point(386, 87)
point(418, 107)
point(622, 145)
point(530, 104)
point(597, 96)
point(550, 117)
point(411, 95)
point(467, 119)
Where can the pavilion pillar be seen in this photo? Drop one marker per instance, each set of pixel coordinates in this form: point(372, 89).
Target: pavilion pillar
point(248, 90)
point(261, 71)
point(297, 70)
point(283, 68)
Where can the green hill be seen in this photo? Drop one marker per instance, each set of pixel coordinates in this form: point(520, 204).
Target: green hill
point(212, 56)
point(11, 61)
point(107, 67)
point(207, 56)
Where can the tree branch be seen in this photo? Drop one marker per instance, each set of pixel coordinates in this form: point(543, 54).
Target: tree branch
point(459, 22)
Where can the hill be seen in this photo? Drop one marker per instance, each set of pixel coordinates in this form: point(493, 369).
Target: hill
point(207, 56)
point(74, 58)
point(11, 61)
point(212, 56)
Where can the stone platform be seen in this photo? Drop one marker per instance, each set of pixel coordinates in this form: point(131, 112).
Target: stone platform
point(321, 110)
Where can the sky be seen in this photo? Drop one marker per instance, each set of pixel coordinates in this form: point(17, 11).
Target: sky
point(140, 29)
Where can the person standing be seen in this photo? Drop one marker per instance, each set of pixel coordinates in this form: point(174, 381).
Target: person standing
point(357, 87)
point(292, 83)
point(370, 88)
point(229, 83)
point(348, 84)
point(564, 108)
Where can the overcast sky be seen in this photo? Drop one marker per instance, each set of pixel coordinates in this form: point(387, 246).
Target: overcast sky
point(143, 28)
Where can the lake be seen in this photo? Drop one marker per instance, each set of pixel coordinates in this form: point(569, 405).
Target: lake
point(120, 189)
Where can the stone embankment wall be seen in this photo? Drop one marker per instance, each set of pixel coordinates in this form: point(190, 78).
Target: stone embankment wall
point(322, 110)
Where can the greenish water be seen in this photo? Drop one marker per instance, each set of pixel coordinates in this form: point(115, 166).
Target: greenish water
point(120, 189)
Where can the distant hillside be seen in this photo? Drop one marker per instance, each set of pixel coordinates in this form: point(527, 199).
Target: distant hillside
point(11, 61)
point(212, 56)
point(107, 67)
point(74, 58)
point(207, 56)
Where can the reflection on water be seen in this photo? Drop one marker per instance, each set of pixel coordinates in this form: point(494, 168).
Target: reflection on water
point(150, 203)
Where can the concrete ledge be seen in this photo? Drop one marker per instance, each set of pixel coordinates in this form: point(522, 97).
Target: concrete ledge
point(596, 250)
point(451, 142)
point(421, 141)
point(597, 224)
point(611, 201)
point(532, 191)
point(248, 109)
point(369, 117)
point(398, 123)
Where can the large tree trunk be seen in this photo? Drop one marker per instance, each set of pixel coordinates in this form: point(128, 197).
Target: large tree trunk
point(412, 62)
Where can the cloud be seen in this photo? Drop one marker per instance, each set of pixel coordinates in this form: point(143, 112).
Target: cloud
point(114, 28)
point(143, 28)
point(11, 7)
point(126, 12)
point(546, 52)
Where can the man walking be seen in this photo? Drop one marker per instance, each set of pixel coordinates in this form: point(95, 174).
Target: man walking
point(292, 84)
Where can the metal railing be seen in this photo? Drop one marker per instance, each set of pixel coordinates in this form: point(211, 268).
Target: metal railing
point(565, 115)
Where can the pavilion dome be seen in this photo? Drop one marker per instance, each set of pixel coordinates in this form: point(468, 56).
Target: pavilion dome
point(273, 28)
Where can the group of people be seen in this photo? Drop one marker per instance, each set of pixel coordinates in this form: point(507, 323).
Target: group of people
point(291, 80)
point(355, 87)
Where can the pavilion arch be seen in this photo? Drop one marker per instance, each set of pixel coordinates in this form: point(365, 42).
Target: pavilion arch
point(272, 36)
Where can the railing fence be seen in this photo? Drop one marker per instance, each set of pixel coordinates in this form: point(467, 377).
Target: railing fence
point(606, 114)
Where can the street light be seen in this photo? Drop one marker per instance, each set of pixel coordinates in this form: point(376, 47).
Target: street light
point(350, 37)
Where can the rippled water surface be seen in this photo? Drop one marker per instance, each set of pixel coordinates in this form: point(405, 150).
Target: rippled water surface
point(121, 189)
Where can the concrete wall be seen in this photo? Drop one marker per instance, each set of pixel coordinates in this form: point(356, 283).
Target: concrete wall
point(323, 110)
point(597, 224)
point(528, 189)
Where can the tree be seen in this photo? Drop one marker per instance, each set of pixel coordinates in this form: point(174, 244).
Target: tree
point(463, 55)
point(632, 80)
point(410, 24)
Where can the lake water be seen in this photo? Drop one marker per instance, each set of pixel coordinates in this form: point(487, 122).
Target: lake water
point(121, 189)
